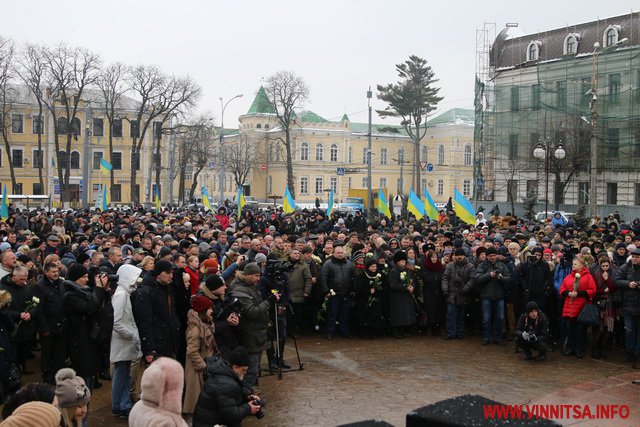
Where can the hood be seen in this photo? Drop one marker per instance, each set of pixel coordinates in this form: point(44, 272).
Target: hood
point(218, 366)
point(194, 319)
point(127, 277)
point(162, 384)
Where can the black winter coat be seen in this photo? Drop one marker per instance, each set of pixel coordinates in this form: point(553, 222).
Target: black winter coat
point(337, 275)
point(539, 327)
point(223, 399)
point(19, 296)
point(630, 297)
point(254, 317)
point(51, 315)
point(491, 287)
point(457, 282)
point(402, 308)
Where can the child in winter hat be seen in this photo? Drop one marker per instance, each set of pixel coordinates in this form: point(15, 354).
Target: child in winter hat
point(39, 414)
point(73, 396)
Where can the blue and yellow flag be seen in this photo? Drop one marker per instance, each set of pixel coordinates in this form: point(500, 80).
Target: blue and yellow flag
point(105, 167)
point(383, 205)
point(241, 201)
point(463, 208)
point(415, 205)
point(330, 206)
point(430, 206)
point(4, 207)
point(205, 199)
point(105, 198)
point(288, 204)
point(157, 199)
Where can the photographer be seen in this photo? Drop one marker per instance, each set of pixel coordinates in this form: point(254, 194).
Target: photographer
point(223, 399)
point(628, 280)
point(534, 282)
point(531, 331)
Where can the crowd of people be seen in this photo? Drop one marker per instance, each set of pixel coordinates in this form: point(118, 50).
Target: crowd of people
point(194, 299)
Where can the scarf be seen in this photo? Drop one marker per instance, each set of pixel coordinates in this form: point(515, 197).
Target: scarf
point(433, 266)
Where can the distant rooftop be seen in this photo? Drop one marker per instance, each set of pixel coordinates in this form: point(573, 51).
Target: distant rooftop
point(261, 104)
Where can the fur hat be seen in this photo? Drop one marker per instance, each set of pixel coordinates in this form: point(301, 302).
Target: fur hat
point(214, 282)
point(399, 256)
point(33, 413)
point(71, 389)
point(76, 271)
point(5, 299)
point(162, 384)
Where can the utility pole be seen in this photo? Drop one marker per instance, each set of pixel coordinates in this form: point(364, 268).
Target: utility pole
point(222, 180)
point(593, 174)
point(369, 195)
point(85, 158)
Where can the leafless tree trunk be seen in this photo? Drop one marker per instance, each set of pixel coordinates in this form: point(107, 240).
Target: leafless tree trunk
point(7, 98)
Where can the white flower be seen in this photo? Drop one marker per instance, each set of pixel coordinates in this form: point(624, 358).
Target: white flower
point(332, 292)
point(403, 275)
point(577, 275)
point(139, 280)
point(378, 276)
point(35, 300)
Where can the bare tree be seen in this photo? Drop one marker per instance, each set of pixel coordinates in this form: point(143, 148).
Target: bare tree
point(113, 86)
point(69, 72)
point(287, 92)
point(196, 137)
point(31, 70)
point(7, 98)
point(240, 157)
point(203, 152)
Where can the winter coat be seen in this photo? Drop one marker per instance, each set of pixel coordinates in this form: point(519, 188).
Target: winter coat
point(222, 400)
point(402, 309)
point(225, 335)
point(630, 297)
point(125, 340)
point(457, 282)
point(254, 317)
point(158, 325)
point(539, 327)
point(20, 295)
point(491, 287)
point(81, 306)
point(535, 279)
point(299, 282)
point(337, 275)
point(51, 308)
point(160, 403)
point(200, 345)
point(586, 291)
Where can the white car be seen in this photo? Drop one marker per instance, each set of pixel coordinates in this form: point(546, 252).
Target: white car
point(544, 217)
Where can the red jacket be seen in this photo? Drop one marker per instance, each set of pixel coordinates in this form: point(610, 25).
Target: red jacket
point(194, 280)
point(224, 220)
point(586, 291)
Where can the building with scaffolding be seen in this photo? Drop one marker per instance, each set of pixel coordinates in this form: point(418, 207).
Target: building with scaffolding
point(575, 88)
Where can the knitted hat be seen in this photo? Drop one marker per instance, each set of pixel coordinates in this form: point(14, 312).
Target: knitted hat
point(201, 303)
point(34, 413)
point(76, 271)
point(357, 255)
point(370, 261)
point(162, 266)
point(260, 257)
point(531, 305)
point(71, 389)
point(239, 357)
point(399, 256)
point(164, 251)
point(214, 282)
point(251, 268)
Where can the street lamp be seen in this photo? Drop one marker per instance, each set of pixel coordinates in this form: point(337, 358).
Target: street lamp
point(543, 152)
point(369, 186)
point(222, 180)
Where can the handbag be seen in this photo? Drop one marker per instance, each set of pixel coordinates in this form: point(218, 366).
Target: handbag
point(590, 315)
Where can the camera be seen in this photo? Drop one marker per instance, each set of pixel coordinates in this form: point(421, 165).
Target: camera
point(261, 403)
point(230, 306)
point(277, 270)
point(113, 278)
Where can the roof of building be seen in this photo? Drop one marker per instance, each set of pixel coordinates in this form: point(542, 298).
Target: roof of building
point(311, 117)
point(454, 116)
point(510, 49)
point(261, 103)
point(23, 95)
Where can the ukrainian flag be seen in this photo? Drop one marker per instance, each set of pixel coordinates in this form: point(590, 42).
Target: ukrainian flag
point(105, 200)
point(288, 204)
point(330, 206)
point(241, 201)
point(463, 208)
point(105, 167)
point(430, 206)
point(383, 205)
point(415, 205)
point(4, 207)
point(205, 199)
point(157, 200)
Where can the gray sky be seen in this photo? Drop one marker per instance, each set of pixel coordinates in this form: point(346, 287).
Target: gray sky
point(338, 47)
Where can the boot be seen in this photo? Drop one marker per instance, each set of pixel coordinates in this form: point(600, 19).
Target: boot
point(271, 357)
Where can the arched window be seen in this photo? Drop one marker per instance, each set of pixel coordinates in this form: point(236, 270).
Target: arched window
point(319, 152)
point(266, 126)
point(76, 127)
point(63, 159)
point(533, 51)
point(441, 154)
point(467, 155)
point(334, 153)
point(610, 37)
point(258, 126)
point(304, 151)
point(75, 160)
point(571, 44)
point(62, 125)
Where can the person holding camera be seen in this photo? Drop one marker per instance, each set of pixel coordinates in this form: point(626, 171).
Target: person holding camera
point(628, 281)
point(457, 283)
point(491, 276)
point(225, 317)
point(531, 331)
point(223, 399)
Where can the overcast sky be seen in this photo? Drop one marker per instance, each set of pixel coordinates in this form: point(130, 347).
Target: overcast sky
point(338, 47)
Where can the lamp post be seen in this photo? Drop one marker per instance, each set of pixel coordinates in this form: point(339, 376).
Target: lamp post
point(369, 186)
point(222, 180)
point(543, 152)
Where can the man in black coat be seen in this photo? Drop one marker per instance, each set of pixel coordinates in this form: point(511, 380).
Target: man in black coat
point(223, 399)
point(531, 331)
point(491, 276)
point(457, 283)
point(534, 282)
point(628, 280)
point(337, 275)
point(51, 321)
point(155, 315)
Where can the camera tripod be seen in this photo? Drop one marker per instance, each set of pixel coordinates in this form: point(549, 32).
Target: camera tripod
point(278, 354)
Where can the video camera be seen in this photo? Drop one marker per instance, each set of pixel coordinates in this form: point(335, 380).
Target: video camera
point(277, 269)
point(231, 305)
point(113, 278)
point(568, 254)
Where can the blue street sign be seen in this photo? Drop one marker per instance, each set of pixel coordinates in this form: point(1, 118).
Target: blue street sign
point(429, 167)
point(212, 165)
point(340, 171)
point(479, 182)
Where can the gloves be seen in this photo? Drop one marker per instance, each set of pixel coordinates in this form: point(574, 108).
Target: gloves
point(525, 336)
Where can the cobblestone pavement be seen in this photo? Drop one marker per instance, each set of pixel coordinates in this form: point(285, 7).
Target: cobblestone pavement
point(348, 380)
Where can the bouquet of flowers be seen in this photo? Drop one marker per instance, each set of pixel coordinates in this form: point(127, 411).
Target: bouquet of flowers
point(408, 281)
point(376, 286)
point(28, 305)
point(322, 314)
point(576, 283)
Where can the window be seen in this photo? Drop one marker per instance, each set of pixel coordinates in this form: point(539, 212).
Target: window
point(440, 187)
point(612, 193)
point(135, 161)
point(266, 126)
point(399, 185)
point(116, 128)
point(583, 193)
point(134, 129)
point(76, 127)
point(319, 185)
point(383, 156)
point(365, 152)
point(319, 152)
point(424, 153)
point(534, 139)
point(400, 155)
point(350, 156)
point(333, 184)
point(37, 125)
point(63, 159)
point(571, 44)
point(610, 37)
point(304, 185)
point(512, 190)
point(533, 51)
point(637, 195)
point(269, 185)
point(136, 192)
point(37, 188)
point(333, 153)
point(441, 154)
point(17, 189)
point(98, 127)
point(535, 97)
point(365, 182)
point(614, 88)
point(613, 142)
point(467, 155)
point(513, 146)
point(62, 124)
point(304, 151)
point(423, 183)
point(466, 188)
point(116, 160)
point(38, 159)
point(16, 157)
point(383, 182)
point(561, 94)
point(75, 160)
point(349, 182)
point(17, 126)
point(515, 98)
point(116, 192)
point(258, 126)
point(97, 157)
point(157, 130)
point(585, 90)
point(532, 187)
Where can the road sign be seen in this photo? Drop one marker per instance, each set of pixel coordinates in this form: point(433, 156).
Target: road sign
point(423, 164)
point(429, 167)
point(479, 182)
point(211, 165)
point(264, 167)
point(340, 171)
